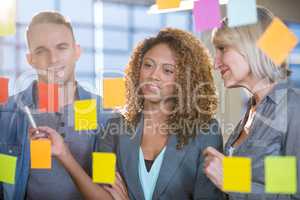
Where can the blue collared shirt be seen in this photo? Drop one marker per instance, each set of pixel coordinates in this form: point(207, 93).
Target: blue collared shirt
point(14, 139)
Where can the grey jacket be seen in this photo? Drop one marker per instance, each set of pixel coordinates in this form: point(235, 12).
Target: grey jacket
point(181, 175)
point(275, 130)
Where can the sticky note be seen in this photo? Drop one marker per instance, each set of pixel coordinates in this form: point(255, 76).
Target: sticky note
point(40, 154)
point(165, 4)
point(237, 174)
point(114, 92)
point(7, 168)
point(47, 97)
point(4, 90)
point(104, 167)
point(241, 12)
point(277, 41)
point(281, 174)
point(85, 115)
point(207, 14)
point(8, 17)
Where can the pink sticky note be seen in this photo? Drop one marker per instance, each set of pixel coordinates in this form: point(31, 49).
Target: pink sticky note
point(207, 15)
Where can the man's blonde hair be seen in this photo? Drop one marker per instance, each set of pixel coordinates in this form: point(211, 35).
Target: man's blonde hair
point(49, 17)
point(244, 39)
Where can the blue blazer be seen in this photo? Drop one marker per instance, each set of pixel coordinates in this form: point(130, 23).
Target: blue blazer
point(181, 175)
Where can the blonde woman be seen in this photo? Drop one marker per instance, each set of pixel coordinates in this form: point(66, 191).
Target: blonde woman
point(270, 126)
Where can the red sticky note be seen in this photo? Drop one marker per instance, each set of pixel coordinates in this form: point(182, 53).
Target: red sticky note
point(207, 14)
point(3, 90)
point(47, 97)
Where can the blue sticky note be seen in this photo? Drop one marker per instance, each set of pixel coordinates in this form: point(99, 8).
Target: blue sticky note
point(241, 12)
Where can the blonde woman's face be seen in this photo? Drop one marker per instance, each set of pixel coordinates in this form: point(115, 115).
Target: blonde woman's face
point(157, 74)
point(233, 67)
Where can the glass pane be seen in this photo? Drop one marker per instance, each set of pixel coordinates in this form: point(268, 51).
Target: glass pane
point(115, 14)
point(117, 40)
point(84, 36)
point(139, 36)
point(142, 20)
point(77, 10)
point(7, 58)
point(178, 20)
point(115, 62)
point(27, 8)
point(85, 64)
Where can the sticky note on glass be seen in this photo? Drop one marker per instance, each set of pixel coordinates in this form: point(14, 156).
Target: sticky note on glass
point(114, 92)
point(7, 168)
point(104, 168)
point(4, 90)
point(40, 154)
point(237, 174)
point(281, 174)
point(206, 14)
point(85, 115)
point(165, 4)
point(47, 97)
point(241, 12)
point(8, 17)
point(277, 41)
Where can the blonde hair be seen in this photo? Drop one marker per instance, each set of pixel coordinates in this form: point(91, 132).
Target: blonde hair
point(52, 17)
point(243, 39)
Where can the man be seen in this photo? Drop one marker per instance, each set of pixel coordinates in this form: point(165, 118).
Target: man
point(53, 53)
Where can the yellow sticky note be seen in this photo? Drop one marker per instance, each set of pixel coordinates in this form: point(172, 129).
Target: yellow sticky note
point(8, 17)
point(40, 154)
point(114, 92)
point(85, 115)
point(281, 174)
point(277, 41)
point(165, 4)
point(104, 167)
point(7, 168)
point(237, 174)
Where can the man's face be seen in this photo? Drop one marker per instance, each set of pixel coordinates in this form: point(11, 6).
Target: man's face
point(53, 52)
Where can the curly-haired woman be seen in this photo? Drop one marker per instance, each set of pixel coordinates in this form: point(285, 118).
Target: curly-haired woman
point(166, 124)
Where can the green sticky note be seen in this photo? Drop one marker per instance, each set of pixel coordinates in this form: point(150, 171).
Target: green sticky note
point(8, 17)
point(237, 174)
point(7, 168)
point(85, 115)
point(104, 168)
point(281, 174)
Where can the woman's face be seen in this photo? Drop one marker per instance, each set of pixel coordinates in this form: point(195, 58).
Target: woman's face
point(233, 67)
point(157, 74)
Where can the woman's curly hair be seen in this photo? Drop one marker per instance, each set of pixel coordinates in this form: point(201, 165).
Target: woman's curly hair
point(195, 101)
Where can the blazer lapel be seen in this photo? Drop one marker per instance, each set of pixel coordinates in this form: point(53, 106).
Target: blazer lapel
point(171, 163)
point(129, 157)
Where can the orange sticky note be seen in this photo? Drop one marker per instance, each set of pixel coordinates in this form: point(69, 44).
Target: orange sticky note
point(85, 115)
point(165, 4)
point(40, 152)
point(277, 41)
point(114, 92)
point(47, 97)
point(104, 167)
point(7, 168)
point(8, 17)
point(3, 90)
point(237, 174)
